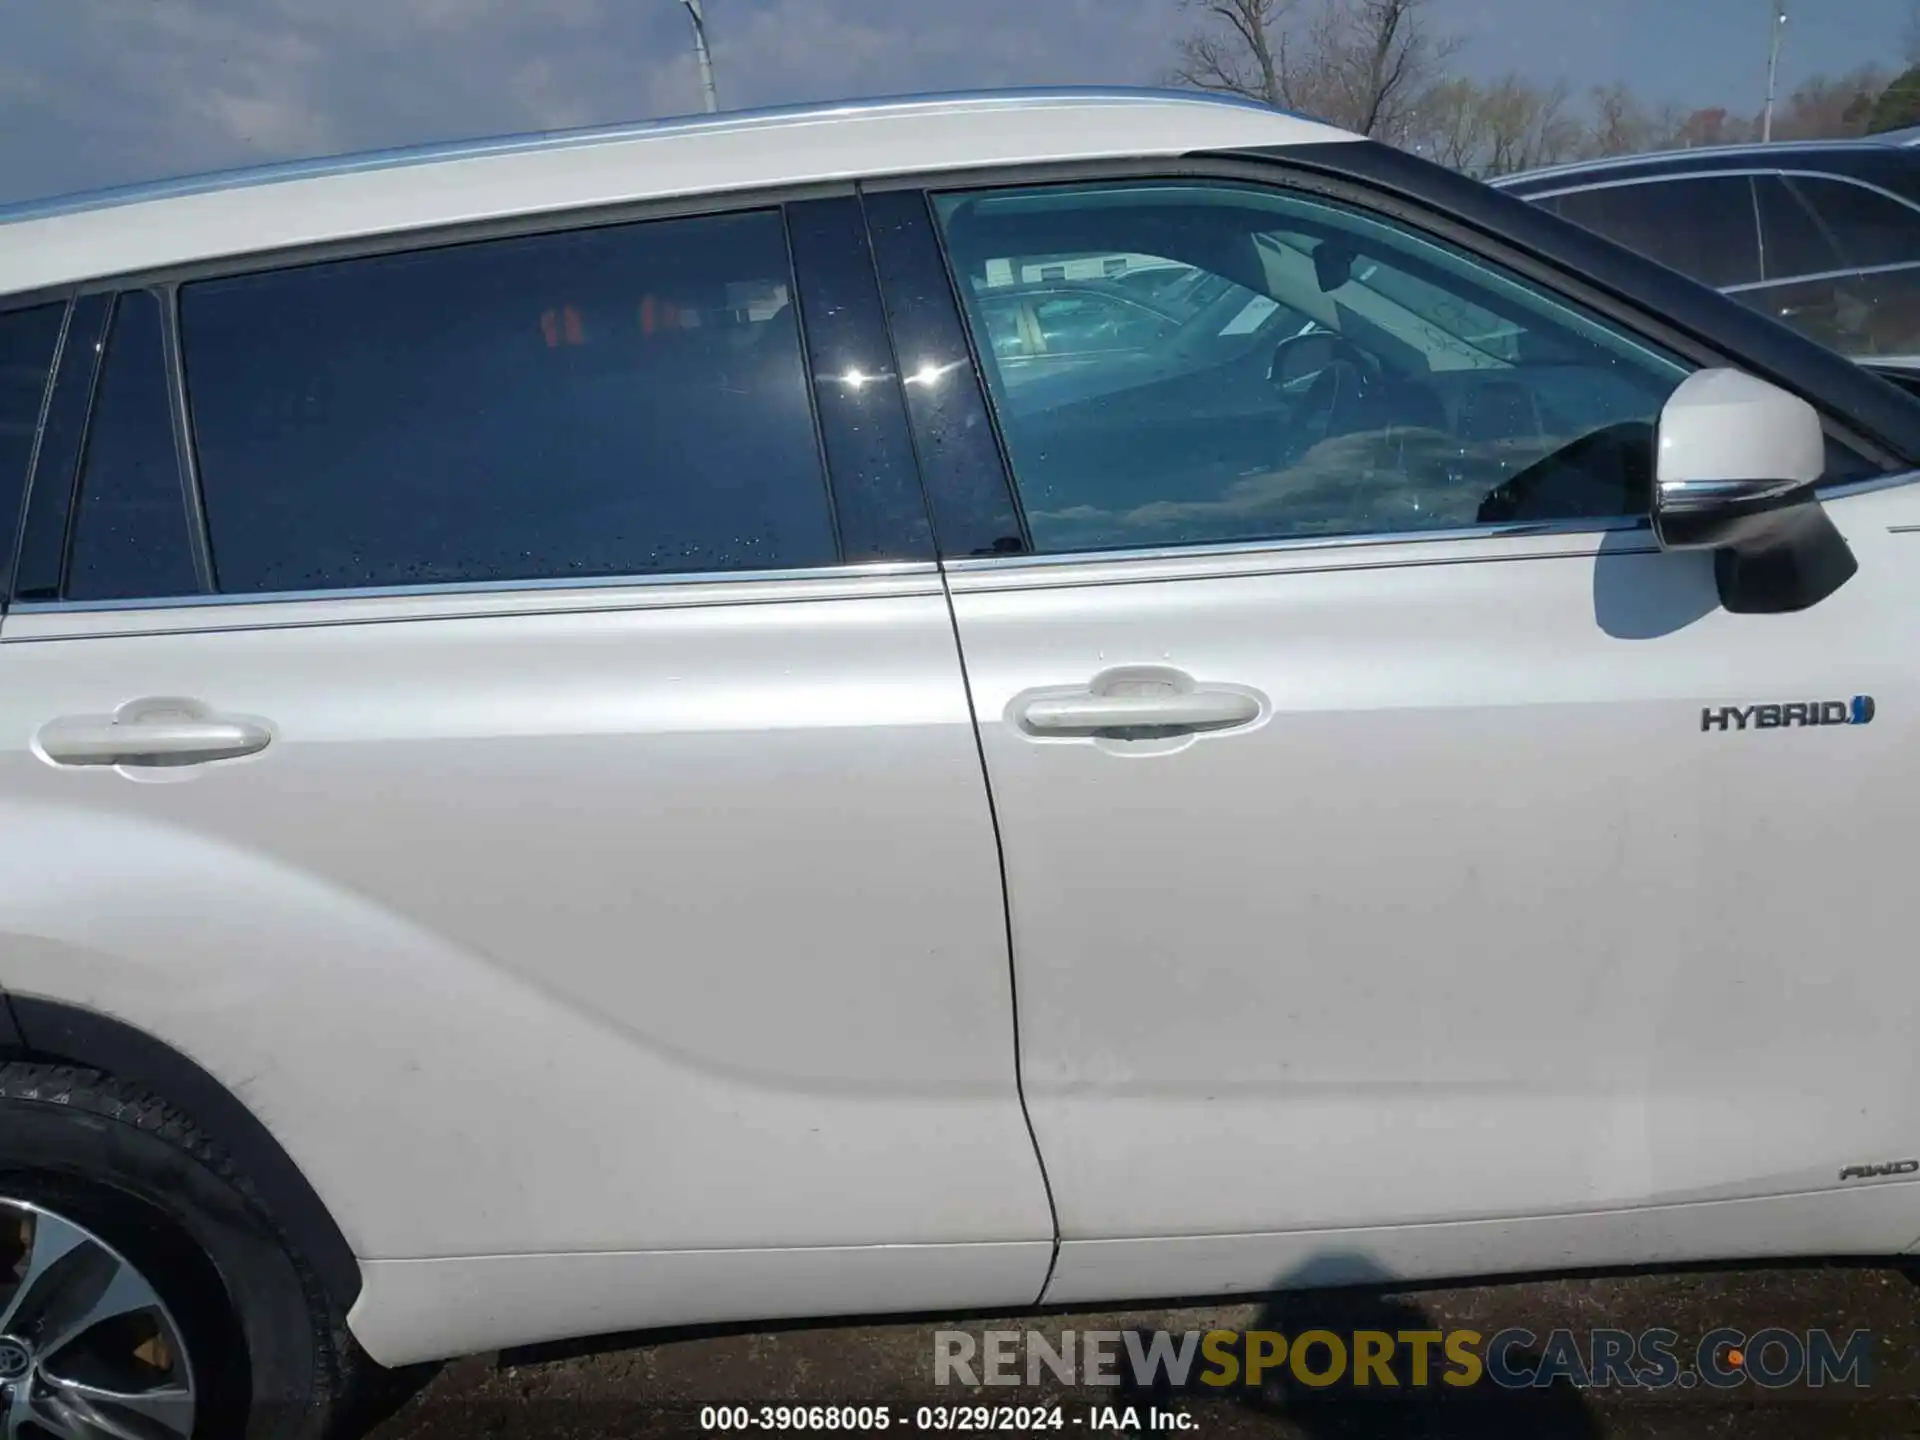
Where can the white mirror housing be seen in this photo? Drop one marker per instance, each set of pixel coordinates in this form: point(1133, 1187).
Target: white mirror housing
point(1737, 467)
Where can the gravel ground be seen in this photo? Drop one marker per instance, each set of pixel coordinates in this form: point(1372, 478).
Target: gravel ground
point(659, 1388)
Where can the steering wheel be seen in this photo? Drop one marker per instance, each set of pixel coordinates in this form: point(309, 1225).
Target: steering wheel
point(1340, 350)
point(1347, 377)
point(1354, 402)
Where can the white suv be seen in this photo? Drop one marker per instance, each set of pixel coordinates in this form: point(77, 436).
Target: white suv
point(577, 753)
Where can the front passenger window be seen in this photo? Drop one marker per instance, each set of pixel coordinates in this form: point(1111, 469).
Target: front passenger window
point(1338, 374)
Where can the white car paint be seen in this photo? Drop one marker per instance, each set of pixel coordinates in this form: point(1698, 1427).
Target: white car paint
point(1462, 919)
point(635, 954)
point(1722, 425)
point(663, 917)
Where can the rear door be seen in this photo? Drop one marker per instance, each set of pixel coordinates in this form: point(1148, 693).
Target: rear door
point(1842, 261)
point(1381, 900)
point(466, 720)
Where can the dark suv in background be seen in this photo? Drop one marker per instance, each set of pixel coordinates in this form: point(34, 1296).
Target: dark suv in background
point(1824, 236)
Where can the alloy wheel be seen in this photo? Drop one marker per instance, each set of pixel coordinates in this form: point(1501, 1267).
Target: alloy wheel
point(88, 1350)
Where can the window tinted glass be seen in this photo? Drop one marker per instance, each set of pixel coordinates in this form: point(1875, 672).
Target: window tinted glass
point(1794, 241)
point(27, 339)
point(1876, 313)
point(1869, 228)
point(1060, 324)
point(130, 526)
point(1391, 384)
point(1704, 228)
point(1067, 323)
point(612, 401)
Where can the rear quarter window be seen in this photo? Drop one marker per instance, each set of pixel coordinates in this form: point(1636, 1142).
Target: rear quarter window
point(28, 339)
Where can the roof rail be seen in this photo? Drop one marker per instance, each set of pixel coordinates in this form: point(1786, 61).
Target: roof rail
point(1695, 152)
point(362, 161)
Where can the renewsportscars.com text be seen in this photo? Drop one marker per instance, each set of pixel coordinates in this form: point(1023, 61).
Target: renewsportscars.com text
point(1654, 1359)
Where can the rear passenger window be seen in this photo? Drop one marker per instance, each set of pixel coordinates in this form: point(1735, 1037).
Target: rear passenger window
point(27, 341)
point(617, 401)
point(130, 526)
point(1702, 227)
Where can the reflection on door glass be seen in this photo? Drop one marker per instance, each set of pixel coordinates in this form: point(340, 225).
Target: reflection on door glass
point(1300, 369)
point(130, 537)
point(622, 400)
point(1868, 227)
point(1702, 226)
point(27, 341)
point(1876, 313)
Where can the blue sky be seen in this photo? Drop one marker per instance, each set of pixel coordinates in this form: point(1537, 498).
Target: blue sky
point(100, 92)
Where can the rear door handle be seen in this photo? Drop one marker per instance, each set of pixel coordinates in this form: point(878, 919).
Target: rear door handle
point(151, 733)
point(1170, 712)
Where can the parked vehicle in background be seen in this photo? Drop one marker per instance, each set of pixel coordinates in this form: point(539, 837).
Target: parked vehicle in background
point(552, 691)
point(1822, 235)
point(1066, 322)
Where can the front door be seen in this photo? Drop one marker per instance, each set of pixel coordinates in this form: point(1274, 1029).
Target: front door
point(1371, 864)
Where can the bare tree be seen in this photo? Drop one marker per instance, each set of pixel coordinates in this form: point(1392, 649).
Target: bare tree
point(1238, 48)
point(1363, 64)
point(1527, 126)
point(1373, 62)
point(1453, 125)
point(1831, 108)
point(1498, 128)
point(1620, 123)
point(1714, 125)
point(1381, 67)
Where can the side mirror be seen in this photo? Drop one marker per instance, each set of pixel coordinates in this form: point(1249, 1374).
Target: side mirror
point(1737, 464)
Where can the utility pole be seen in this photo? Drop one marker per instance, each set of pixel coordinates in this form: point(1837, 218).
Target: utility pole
point(1773, 65)
point(700, 49)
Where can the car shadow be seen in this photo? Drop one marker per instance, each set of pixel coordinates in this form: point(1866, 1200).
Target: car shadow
point(1362, 1300)
point(1643, 593)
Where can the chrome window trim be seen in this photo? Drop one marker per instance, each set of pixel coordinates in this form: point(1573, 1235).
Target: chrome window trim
point(1747, 286)
point(460, 600)
point(521, 224)
point(1377, 541)
point(1869, 485)
point(391, 604)
point(1360, 541)
point(1160, 568)
point(1717, 174)
point(1866, 145)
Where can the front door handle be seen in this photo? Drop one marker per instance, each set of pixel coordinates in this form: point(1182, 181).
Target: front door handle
point(151, 732)
point(1164, 712)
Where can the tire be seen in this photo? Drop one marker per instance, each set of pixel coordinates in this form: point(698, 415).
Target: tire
point(267, 1356)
